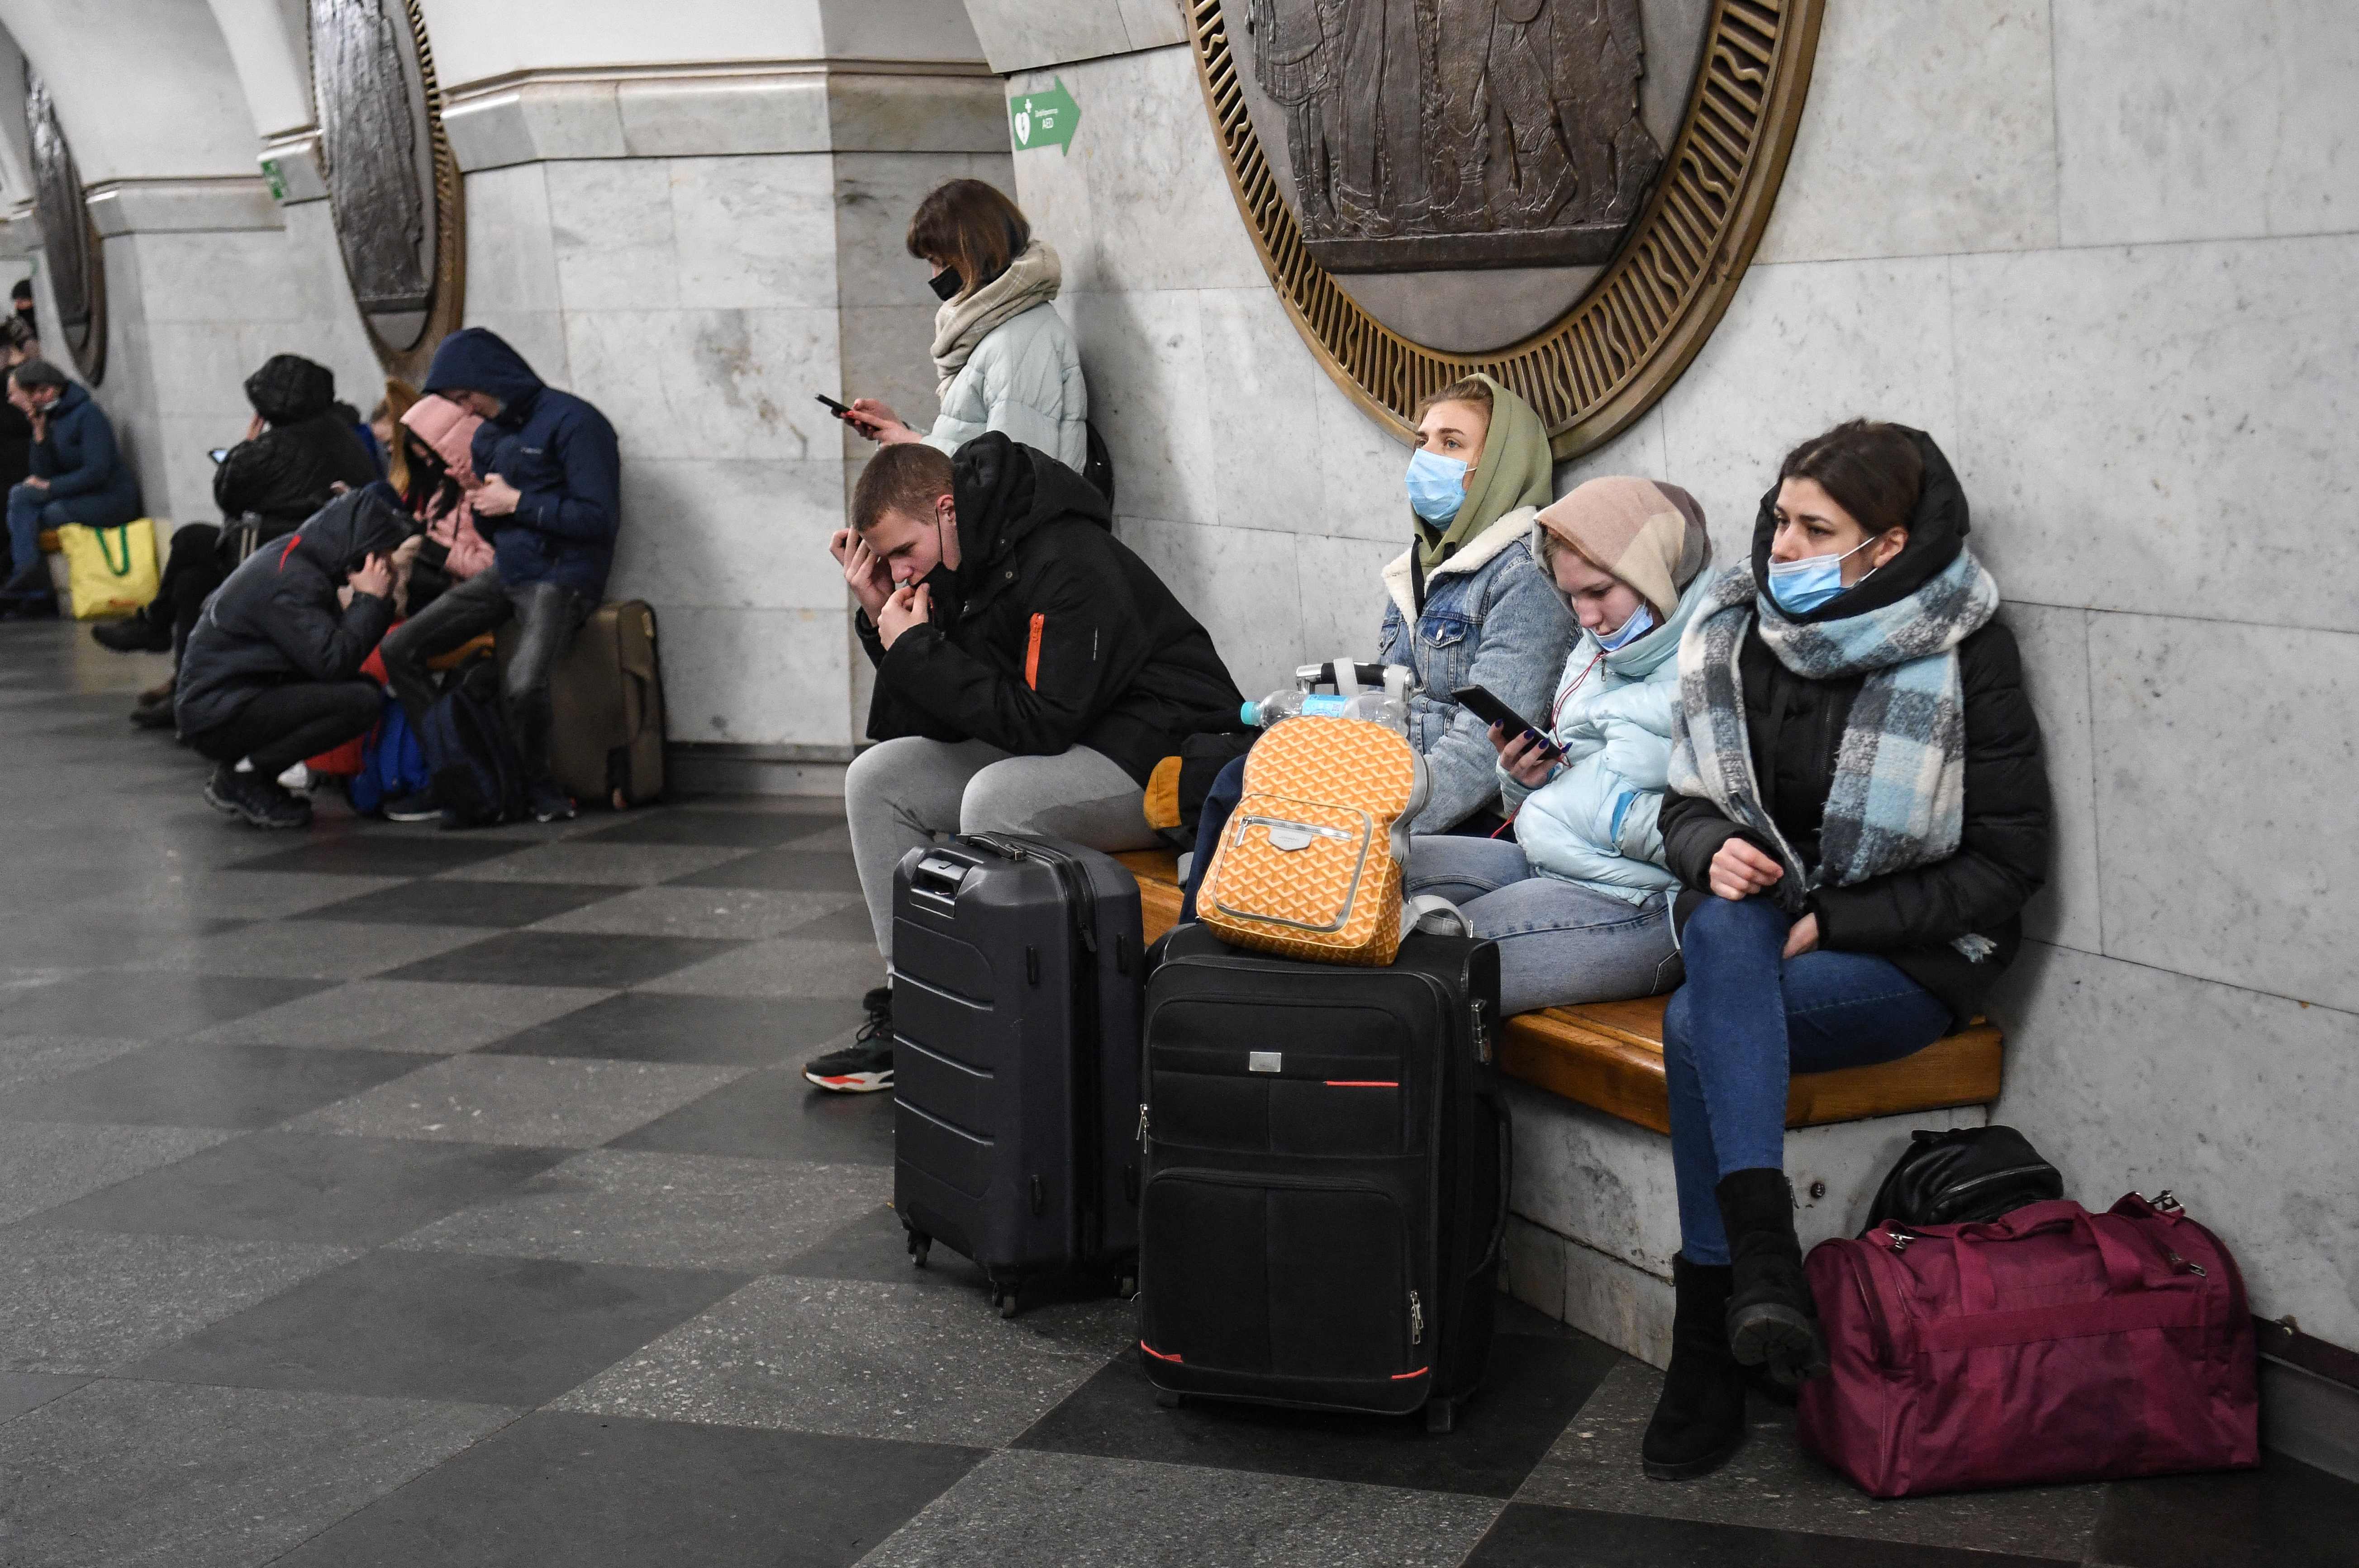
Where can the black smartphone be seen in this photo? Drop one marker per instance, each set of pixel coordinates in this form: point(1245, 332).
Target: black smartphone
point(841, 411)
point(1478, 700)
point(218, 453)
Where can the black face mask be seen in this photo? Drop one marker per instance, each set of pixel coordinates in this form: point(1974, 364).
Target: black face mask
point(945, 283)
point(942, 591)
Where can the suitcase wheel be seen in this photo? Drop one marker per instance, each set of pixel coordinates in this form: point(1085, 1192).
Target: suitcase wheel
point(1004, 1298)
point(1168, 1397)
point(921, 1244)
point(1440, 1415)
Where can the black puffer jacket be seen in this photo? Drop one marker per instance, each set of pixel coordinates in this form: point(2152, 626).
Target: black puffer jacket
point(288, 472)
point(1795, 726)
point(1059, 635)
point(277, 621)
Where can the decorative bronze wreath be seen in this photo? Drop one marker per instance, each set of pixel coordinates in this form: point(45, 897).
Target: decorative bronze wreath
point(1604, 361)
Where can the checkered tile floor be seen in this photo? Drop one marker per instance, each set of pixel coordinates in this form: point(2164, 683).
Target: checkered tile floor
point(380, 1196)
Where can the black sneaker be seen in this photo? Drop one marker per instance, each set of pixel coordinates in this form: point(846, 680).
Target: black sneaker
point(258, 799)
point(551, 804)
point(866, 1065)
point(132, 634)
point(417, 808)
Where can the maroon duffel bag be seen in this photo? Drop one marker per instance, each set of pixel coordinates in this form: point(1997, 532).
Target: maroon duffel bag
point(2047, 1345)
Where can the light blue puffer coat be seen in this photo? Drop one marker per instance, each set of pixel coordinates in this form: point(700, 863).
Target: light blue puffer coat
point(1025, 378)
point(1594, 822)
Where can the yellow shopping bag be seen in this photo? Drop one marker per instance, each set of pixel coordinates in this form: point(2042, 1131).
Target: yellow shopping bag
point(110, 571)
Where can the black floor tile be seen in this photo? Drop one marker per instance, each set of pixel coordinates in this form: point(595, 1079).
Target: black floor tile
point(285, 1186)
point(435, 1325)
point(774, 1115)
point(641, 1026)
point(789, 870)
point(184, 1085)
point(564, 958)
point(1533, 1388)
point(2284, 1515)
point(109, 1005)
point(718, 830)
point(450, 903)
point(413, 852)
point(22, 1391)
point(611, 1492)
point(1530, 1536)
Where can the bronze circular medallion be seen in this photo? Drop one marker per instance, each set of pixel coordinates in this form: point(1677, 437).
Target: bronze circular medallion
point(69, 242)
point(393, 188)
point(1427, 138)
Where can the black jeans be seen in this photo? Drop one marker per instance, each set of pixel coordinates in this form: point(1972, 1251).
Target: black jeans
point(286, 723)
point(193, 571)
point(547, 617)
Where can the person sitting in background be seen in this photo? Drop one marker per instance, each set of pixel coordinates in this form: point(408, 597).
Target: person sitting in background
point(17, 346)
point(1031, 672)
point(21, 303)
point(271, 674)
point(78, 476)
point(1860, 812)
point(433, 459)
point(296, 453)
point(552, 500)
point(1003, 359)
point(1578, 899)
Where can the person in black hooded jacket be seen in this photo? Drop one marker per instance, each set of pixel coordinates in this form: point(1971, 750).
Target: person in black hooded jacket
point(1031, 672)
point(272, 670)
point(1859, 811)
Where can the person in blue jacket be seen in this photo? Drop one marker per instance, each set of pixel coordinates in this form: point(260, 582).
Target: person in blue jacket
point(550, 503)
point(79, 476)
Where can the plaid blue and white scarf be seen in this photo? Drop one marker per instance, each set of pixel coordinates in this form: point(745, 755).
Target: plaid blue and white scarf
point(1899, 791)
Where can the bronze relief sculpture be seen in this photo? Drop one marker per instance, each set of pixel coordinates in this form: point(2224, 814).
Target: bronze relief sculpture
point(1549, 165)
point(70, 243)
point(393, 186)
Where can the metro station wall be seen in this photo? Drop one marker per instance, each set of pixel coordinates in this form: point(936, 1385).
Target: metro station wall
point(2107, 252)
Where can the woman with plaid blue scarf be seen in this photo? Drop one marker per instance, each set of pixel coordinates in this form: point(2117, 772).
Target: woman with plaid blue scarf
point(1858, 811)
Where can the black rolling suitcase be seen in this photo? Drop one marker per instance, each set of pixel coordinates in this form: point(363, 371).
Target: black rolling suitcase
point(1326, 1157)
point(1016, 966)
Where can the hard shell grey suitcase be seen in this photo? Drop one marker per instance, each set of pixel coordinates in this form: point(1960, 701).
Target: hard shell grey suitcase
point(1016, 966)
point(607, 710)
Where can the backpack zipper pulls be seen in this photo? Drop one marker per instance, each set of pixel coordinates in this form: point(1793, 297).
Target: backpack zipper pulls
point(1142, 1122)
point(1416, 1320)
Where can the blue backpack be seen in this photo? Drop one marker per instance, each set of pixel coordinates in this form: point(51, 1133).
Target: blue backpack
point(392, 763)
point(476, 774)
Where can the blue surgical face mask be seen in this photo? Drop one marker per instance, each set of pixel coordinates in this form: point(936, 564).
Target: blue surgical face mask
point(1802, 587)
point(1641, 621)
point(1436, 485)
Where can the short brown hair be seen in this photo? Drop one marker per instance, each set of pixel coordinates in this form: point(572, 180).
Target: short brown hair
point(1872, 469)
point(970, 225)
point(1466, 389)
point(904, 478)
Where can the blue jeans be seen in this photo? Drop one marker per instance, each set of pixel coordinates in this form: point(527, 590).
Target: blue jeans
point(1560, 943)
point(1744, 1022)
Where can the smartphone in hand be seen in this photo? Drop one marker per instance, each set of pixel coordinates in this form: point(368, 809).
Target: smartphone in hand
point(1479, 702)
point(841, 411)
point(218, 453)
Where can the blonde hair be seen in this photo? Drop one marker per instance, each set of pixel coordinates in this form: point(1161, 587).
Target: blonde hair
point(1472, 389)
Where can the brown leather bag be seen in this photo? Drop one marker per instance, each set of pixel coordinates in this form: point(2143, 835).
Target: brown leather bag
point(606, 727)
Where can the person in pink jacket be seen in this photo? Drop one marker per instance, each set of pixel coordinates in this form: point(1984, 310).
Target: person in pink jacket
point(448, 433)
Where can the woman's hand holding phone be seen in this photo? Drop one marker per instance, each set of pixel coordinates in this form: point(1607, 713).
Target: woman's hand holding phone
point(1528, 759)
point(876, 420)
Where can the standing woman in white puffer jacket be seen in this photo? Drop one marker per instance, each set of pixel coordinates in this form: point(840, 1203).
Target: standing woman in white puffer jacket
point(1003, 359)
point(1580, 901)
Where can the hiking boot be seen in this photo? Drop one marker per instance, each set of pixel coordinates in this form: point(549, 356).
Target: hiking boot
point(1699, 1421)
point(419, 808)
point(259, 800)
point(866, 1065)
point(1773, 1324)
point(551, 804)
point(132, 634)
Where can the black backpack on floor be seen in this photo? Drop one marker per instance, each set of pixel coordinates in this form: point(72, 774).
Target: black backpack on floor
point(478, 778)
point(1961, 1176)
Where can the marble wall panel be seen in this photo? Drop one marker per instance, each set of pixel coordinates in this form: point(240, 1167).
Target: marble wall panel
point(2130, 1077)
point(537, 335)
point(1142, 355)
point(740, 536)
point(1805, 347)
point(758, 676)
point(887, 354)
point(1930, 128)
point(612, 235)
point(1260, 384)
point(1362, 466)
point(1240, 582)
point(2055, 645)
point(1342, 594)
point(2163, 428)
point(1054, 190)
point(543, 119)
point(2219, 745)
point(2178, 120)
point(235, 276)
point(755, 233)
point(1152, 23)
point(682, 117)
point(511, 242)
point(917, 113)
point(199, 368)
point(1017, 34)
point(708, 383)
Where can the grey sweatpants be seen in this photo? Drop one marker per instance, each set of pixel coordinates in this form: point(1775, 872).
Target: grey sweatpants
point(899, 793)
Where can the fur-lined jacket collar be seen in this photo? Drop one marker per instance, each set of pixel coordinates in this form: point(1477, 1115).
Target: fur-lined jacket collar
point(1475, 554)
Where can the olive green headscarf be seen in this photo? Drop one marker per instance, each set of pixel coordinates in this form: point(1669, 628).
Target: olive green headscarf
point(1514, 472)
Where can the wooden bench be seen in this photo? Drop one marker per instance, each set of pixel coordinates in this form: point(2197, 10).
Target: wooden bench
point(1609, 1055)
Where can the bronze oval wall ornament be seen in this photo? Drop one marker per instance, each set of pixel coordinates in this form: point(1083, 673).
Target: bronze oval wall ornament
point(393, 188)
point(70, 241)
point(1671, 274)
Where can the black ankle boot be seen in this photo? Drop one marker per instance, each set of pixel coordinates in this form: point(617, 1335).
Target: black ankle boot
point(1700, 1420)
point(1772, 1321)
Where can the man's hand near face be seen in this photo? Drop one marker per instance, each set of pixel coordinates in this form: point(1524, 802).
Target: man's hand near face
point(911, 606)
point(863, 572)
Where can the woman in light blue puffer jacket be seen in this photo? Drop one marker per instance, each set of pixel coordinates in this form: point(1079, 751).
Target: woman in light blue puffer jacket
point(1579, 903)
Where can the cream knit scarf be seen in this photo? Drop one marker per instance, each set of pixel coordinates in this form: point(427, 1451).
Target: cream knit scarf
point(963, 322)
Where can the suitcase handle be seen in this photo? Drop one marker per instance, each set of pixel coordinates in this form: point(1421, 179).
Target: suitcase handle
point(2124, 1274)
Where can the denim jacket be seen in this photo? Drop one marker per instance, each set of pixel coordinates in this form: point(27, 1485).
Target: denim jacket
point(1491, 618)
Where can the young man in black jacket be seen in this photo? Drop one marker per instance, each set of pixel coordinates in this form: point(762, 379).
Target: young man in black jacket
point(272, 670)
point(1031, 672)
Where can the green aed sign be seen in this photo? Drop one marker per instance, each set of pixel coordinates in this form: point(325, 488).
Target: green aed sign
point(1044, 119)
